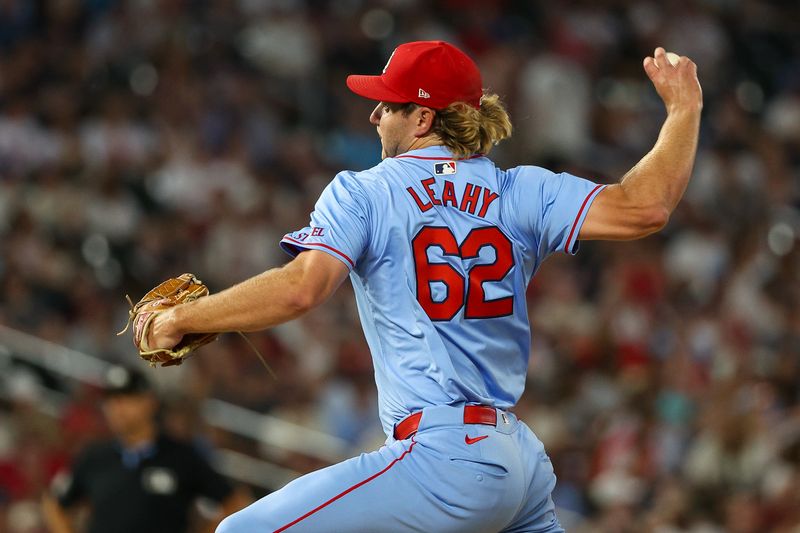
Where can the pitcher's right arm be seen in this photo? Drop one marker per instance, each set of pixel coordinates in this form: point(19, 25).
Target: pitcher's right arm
point(642, 202)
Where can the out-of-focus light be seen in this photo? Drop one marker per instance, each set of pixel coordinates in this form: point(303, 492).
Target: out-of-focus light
point(143, 79)
point(344, 9)
point(780, 239)
point(377, 24)
point(109, 275)
point(95, 250)
point(750, 96)
point(23, 516)
point(618, 94)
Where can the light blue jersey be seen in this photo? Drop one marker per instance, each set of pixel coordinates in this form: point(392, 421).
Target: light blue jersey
point(441, 253)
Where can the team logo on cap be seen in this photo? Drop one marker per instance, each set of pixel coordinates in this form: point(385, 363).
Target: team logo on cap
point(423, 93)
point(443, 169)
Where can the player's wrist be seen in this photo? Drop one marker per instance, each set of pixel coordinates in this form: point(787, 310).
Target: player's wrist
point(174, 320)
point(684, 108)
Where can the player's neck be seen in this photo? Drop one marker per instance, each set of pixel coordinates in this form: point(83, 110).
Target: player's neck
point(424, 142)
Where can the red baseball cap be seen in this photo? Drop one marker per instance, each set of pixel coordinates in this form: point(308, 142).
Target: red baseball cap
point(430, 73)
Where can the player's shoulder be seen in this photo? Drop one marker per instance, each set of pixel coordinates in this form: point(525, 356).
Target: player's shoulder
point(366, 182)
point(358, 178)
point(524, 175)
point(528, 172)
point(386, 168)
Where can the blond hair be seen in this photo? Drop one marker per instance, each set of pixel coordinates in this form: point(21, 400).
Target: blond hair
point(466, 130)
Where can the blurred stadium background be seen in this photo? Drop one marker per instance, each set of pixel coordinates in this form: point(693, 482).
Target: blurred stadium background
point(146, 138)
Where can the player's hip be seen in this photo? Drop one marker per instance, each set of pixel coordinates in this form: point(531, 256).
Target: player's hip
point(500, 469)
point(488, 441)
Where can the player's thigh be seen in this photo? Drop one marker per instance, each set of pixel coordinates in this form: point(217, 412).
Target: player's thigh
point(399, 488)
point(538, 513)
point(539, 518)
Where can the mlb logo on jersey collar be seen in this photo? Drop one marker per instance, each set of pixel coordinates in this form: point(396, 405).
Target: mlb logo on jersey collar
point(443, 169)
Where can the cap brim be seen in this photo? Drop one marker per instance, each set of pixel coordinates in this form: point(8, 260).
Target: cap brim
point(374, 88)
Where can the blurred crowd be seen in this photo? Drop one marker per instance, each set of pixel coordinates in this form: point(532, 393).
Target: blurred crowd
point(146, 138)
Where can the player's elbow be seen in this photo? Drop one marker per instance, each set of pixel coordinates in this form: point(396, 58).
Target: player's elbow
point(299, 294)
point(311, 278)
point(639, 222)
point(617, 214)
point(301, 300)
point(650, 220)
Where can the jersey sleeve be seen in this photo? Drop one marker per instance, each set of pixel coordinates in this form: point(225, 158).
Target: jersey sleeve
point(549, 208)
point(339, 223)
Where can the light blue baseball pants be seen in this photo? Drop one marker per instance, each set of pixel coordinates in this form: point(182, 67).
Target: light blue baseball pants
point(433, 482)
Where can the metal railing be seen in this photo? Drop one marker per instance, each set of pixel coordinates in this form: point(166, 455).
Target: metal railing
point(268, 430)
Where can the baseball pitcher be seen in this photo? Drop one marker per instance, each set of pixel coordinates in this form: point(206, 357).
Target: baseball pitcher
point(440, 245)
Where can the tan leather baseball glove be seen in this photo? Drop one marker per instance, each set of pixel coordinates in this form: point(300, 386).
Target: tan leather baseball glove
point(175, 291)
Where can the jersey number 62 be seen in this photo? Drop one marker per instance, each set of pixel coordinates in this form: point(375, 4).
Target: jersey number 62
point(462, 292)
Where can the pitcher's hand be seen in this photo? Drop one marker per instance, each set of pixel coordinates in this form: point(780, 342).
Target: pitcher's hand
point(677, 85)
point(161, 334)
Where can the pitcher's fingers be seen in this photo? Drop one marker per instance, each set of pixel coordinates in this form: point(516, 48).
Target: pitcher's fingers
point(662, 61)
point(650, 67)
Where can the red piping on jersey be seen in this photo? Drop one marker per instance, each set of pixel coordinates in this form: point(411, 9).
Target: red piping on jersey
point(437, 158)
point(351, 489)
point(331, 248)
point(577, 218)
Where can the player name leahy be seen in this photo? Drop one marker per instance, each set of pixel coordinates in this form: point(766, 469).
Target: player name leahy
point(471, 197)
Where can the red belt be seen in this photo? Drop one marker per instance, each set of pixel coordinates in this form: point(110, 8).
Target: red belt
point(473, 414)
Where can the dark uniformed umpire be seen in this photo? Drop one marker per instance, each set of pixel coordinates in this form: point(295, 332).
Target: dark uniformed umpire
point(141, 480)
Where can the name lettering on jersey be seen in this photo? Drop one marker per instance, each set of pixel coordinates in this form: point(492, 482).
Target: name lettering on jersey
point(474, 196)
point(317, 232)
point(426, 184)
point(449, 194)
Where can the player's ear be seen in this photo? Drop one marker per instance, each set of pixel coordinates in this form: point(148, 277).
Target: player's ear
point(425, 116)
